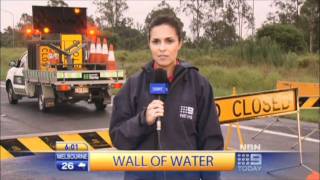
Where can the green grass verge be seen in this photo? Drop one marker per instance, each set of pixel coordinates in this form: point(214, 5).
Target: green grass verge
point(309, 115)
point(7, 55)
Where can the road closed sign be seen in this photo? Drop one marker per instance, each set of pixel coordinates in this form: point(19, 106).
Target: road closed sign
point(249, 106)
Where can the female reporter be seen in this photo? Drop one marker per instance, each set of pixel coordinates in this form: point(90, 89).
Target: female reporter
point(189, 117)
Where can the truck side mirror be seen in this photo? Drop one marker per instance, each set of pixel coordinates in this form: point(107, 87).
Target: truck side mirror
point(13, 63)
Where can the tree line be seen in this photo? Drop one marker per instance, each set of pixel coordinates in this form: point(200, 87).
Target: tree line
point(215, 24)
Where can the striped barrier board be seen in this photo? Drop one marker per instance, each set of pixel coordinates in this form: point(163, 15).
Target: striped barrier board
point(24, 146)
point(309, 93)
point(309, 102)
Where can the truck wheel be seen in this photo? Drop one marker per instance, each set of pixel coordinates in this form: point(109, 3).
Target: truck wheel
point(41, 102)
point(100, 105)
point(12, 97)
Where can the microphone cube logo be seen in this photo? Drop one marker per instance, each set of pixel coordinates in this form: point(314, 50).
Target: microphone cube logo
point(186, 112)
point(249, 162)
point(159, 88)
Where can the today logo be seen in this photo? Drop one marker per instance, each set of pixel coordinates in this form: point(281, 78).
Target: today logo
point(249, 162)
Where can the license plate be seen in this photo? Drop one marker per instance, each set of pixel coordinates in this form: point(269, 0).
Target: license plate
point(81, 90)
point(94, 76)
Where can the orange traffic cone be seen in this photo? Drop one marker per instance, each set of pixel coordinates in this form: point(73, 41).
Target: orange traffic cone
point(92, 56)
point(105, 51)
point(111, 59)
point(53, 60)
point(105, 46)
point(92, 47)
point(99, 51)
point(98, 46)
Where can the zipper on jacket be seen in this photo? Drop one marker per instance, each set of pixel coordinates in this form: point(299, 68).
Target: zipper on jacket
point(184, 71)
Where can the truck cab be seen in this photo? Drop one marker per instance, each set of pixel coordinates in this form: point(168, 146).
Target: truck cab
point(15, 81)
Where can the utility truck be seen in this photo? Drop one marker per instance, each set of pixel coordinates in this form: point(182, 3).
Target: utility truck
point(63, 63)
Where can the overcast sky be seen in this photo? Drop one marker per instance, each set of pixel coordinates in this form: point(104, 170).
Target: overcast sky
point(138, 10)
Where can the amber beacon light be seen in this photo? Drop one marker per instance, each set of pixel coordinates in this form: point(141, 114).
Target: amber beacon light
point(46, 30)
point(76, 10)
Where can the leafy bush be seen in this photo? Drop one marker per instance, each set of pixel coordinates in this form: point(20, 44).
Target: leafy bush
point(287, 36)
point(126, 38)
point(219, 34)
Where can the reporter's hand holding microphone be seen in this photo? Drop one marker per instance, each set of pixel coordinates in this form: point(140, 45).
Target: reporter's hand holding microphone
point(154, 110)
point(158, 88)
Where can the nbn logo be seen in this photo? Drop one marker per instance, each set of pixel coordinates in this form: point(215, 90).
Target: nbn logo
point(158, 88)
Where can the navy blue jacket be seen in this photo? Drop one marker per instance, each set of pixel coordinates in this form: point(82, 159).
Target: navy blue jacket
point(190, 119)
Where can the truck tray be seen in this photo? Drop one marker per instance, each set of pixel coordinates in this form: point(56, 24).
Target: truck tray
point(75, 77)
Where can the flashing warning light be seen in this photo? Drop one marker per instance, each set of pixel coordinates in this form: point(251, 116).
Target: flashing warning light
point(91, 32)
point(46, 30)
point(76, 10)
point(28, 31)
point(36, 32)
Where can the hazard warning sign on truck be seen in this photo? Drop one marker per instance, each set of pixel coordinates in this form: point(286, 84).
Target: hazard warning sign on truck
point(68, 43)
point(236, 108)
point(46, 57)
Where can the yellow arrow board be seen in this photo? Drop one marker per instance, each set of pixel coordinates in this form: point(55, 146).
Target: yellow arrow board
point(249, 106)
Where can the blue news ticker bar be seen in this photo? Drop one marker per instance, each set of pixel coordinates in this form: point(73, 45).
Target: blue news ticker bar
point(159, 88)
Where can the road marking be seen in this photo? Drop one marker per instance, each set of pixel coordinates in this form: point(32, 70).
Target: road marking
point(276, 133)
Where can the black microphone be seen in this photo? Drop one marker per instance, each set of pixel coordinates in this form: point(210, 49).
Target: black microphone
point(160, 76)
point(159, 87)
